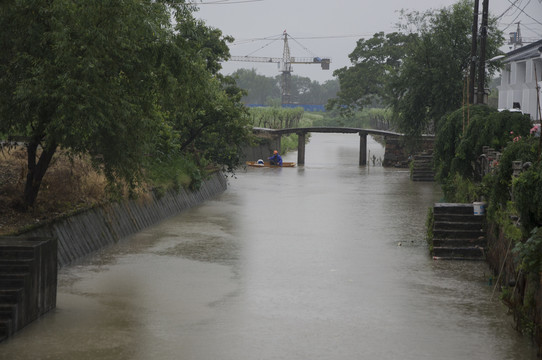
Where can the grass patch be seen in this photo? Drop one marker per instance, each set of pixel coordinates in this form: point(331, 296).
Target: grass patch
point(70, 184)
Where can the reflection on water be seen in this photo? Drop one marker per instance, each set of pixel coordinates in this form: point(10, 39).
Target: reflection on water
point(324, 261)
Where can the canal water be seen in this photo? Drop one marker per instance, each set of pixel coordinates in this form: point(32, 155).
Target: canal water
point(324, 261)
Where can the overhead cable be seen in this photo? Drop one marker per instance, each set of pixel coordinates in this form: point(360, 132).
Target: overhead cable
point(224, 2)
point(522, 11)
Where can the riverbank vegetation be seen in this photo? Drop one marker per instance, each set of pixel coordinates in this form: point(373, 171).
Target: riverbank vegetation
point(133, 88)
point(276, 117)
point(70, 185)
point(510, 181)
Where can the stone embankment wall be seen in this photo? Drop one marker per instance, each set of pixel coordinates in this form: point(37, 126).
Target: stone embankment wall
point(262, 149)
point(91, 230)
point(397, 154)
point(523, 293)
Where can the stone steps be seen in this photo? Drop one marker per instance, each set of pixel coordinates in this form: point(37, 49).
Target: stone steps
point(27, 281)
point(458, 234)
point(422, 167)
point(6, 329)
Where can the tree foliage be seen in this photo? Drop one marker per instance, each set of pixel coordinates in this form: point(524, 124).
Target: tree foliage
point(115, 79)
point(527, 192)
point(374, 63)
point(460, 140)
point(495, 129)
point(418, 71)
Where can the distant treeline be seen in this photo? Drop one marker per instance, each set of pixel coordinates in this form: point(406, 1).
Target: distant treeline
point(266, 90)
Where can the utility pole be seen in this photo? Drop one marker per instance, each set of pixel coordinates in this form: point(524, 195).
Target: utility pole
point(482, 59)
point(473, 54)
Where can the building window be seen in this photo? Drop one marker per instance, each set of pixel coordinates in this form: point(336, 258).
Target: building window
point(537, 63)
point(506, 75)
point(521, 70)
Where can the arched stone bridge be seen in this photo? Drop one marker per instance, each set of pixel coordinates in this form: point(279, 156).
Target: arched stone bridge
point(301, 132)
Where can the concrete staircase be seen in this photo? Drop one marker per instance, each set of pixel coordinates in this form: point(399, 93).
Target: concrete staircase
point(423, 167)
point(28, 276)
point(458, 234)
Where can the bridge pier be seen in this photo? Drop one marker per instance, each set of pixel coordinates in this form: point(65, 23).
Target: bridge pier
point(301, 148)
point(362, 148)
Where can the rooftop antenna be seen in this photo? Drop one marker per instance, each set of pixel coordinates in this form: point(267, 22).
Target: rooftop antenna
point(515, 37)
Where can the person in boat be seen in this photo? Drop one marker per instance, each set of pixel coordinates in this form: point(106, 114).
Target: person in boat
point(276, 159)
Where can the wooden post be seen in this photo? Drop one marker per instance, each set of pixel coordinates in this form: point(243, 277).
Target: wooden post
point(301, 148)
point(363, 148)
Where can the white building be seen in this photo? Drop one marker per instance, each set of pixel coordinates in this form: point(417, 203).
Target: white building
point(520, 76)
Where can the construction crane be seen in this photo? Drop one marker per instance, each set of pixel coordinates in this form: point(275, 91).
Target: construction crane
point(285, 66)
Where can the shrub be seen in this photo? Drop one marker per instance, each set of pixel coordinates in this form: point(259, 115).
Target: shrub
point(494, 129)
point(527, 190)
point(449, 136)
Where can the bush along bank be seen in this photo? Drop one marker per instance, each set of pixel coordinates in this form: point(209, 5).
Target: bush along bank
point(514, 192)
point(496, 157)
point(516, 238)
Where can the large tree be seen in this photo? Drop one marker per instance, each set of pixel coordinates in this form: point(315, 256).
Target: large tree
point(374, 63)
point(114, 79)
point(433, 75)
point(203, 107)
point(420, 74)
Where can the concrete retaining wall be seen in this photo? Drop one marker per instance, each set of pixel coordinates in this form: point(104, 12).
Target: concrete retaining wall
point(87, 232)
point(262, 150)
point(523, 292)
point(396, 153)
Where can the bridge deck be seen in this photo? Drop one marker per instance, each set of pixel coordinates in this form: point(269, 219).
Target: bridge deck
point(331, 129)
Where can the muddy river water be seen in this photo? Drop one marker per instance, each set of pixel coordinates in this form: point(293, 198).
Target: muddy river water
point(324, 261)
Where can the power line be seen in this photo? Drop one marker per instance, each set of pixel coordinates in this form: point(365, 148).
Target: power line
point(508, 9)
point(224, 2)
point(247, 41)
point(522, 11)
point(529, 28)
point(303, 46)
point(266, 45)
point(244, 41)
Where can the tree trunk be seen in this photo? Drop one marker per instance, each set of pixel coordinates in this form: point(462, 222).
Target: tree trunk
point(194, 135)
point(36, 171)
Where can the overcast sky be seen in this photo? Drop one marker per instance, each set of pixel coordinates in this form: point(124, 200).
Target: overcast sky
point(330, 28)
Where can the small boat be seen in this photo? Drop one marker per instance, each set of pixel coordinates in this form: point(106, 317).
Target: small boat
point(267, 164)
